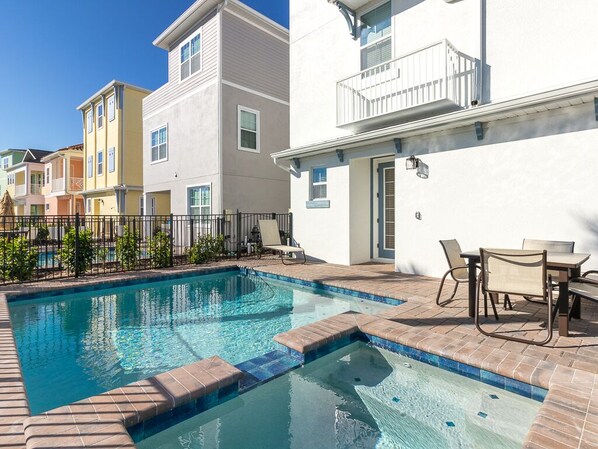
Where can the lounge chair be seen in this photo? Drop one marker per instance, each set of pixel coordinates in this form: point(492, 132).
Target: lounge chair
point(515, 272)
point(271, 240)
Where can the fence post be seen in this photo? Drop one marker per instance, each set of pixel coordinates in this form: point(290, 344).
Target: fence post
point(191, 224)
point(171, 240)
point(291, 228)
point(238, 235)
point(76, 244)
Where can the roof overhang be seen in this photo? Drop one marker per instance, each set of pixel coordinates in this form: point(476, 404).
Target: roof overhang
point(532, 104)
point(106, 90)
point(181, 25)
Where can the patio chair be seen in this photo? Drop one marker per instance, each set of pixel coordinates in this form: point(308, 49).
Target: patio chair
point(584, 287)
point(515, 272)
point(271, 240)
point(457, 268)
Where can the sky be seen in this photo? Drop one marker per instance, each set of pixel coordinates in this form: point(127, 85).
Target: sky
point(54, 54)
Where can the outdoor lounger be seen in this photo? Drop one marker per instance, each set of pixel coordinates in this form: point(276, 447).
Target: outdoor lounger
point(271, 240)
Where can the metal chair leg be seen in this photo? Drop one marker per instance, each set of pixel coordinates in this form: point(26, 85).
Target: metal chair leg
point(441, 286)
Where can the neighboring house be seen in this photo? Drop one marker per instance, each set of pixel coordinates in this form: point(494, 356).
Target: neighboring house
point(112, 149)
point(8, 158)
point(63, 187)
point(26, 182)
point(496, 100)
point(209, 132)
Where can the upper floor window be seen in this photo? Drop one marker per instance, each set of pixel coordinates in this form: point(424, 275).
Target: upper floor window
point(11, 178)
point(376, 39)
point(191, 56)
point(5, 162)
point(100, 163)
point(319, 184)
point(111, 108)
point(111, 162)
point(89, 166)
point(47, 175)
point(249, 129)
point(100, 114)
point(160, 144)
point(90, 121)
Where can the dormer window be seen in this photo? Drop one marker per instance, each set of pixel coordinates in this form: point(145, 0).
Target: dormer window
point(375, 38)
point(191, 56)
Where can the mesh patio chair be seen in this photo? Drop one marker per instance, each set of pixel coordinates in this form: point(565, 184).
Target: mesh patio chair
point(515, 272)
point(457, 268)
point(584, 287)
point(271, 240)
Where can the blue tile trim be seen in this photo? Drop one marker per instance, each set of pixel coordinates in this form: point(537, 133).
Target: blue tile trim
point(487, 377)
point(322, 286)
point(265, 368)
point(11, 297)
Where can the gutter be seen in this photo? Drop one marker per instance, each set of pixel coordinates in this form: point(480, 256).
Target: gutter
point(488, 112)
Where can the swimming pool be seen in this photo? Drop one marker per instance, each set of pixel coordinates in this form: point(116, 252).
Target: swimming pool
point(75, 346)
point(360, 397)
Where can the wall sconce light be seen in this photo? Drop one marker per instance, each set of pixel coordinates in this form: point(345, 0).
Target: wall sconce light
point(414, 163)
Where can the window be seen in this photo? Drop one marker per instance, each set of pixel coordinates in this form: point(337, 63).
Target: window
point(47, 207)
point(5, 162)
point(89, 166)
point(152, 206)
point(191, 56)
point(90, 121)
point(249, 129)
point(100, 162)
point(111, 160)
point(48, 175)
point(200, 200)
point(89, 205)
point(11, 178)
point(111, 108)
point(376, 40)
point(160, 144)
point(100, 115)
point(319, 184)
point(141, 205)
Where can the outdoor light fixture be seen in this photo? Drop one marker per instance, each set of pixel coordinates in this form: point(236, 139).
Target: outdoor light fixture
point(414, 163)
point(411, 163)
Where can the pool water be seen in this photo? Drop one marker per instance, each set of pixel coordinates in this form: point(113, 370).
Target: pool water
point(360, 397)
point(75, 346)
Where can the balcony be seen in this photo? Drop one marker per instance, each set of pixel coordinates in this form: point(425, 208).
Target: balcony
point(20, 190)
point(36, 189)
point(430, 81)
point(76, 184)
point(58, 185)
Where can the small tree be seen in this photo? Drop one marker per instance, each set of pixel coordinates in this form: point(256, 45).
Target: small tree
point(82, 260)
point(206, 248)
point(17, 259)
point(127, 249)
point(159, 250)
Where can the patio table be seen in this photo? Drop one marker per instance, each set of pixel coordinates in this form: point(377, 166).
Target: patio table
point(564, 263)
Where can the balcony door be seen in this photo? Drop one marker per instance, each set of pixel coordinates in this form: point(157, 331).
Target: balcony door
point(386, 210)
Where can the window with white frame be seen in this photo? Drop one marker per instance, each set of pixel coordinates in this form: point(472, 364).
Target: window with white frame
point(11, 178)
point(249, 129)
point(319, 183)
point(190, 56)
point(5, 162)
point(100, 162)
point(111, 161)
point(200, 200)
point(111, 108)
point(89, 166)
point(160, 144)
point(375, 37)
point(152, 208)
point(89, 205)
point(100, 114)
point(48, 175)
point(47, 207)
point(90, 121)
point(141, 205)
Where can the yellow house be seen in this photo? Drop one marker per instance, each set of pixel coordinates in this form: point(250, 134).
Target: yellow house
point(113, 150)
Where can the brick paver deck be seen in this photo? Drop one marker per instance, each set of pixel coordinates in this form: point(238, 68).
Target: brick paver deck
point(567, 365)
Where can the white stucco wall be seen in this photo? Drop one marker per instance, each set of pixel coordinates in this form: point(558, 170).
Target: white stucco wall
point(526, 179)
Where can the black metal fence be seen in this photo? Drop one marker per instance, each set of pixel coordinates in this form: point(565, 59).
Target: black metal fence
point(50, 247)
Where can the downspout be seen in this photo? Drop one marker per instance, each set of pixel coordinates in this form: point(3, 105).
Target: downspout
point(482, 53)
point(120, 193)
point(219, 10)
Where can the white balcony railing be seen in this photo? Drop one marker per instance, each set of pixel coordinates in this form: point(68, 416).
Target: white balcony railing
point(437, 73)
point(58, 185)
point(76, 184)
point(20, 190)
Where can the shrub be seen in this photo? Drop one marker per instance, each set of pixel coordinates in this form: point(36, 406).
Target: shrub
point(159, 250)
point(43, 234)
point(80, 262)
point(127, 248)
point(205, 248)
point(17, 259)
